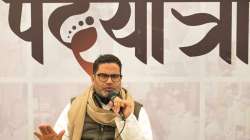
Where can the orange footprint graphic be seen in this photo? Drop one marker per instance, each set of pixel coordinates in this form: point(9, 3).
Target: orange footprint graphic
point(82, 41)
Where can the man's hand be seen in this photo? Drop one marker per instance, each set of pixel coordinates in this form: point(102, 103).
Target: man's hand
point(126, 106)
point(47, 133)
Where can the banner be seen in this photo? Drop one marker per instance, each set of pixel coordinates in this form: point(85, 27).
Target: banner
point(187, 62)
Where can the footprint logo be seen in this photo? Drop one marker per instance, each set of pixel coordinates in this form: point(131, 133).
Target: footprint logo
point(83, 40)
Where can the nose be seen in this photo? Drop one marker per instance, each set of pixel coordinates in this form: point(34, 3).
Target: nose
point(109, 80)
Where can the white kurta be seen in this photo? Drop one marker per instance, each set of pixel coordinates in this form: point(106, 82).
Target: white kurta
point(134, 129)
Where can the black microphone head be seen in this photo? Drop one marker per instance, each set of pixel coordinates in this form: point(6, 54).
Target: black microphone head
point(112, 95)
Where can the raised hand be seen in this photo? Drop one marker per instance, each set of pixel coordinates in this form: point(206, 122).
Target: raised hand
point(126, 106)
point(47, 133)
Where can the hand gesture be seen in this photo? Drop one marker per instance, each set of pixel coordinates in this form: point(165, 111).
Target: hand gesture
point(125, 105)
point(47, 133)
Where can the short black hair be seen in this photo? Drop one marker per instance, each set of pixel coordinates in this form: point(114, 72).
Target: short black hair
point(106, 58)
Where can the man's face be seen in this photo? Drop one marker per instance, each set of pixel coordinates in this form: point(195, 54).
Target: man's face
point(106, 79)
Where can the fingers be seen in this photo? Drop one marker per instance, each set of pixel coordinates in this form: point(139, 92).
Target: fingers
point(110, 103)
point(37, 135)
point(46, 130)
point(117, 106)
point(43, 129)
point(127, 103)
point(60, 135)
point(47, 133)
point(50, 130)
point(118, 103)
point(124, 105)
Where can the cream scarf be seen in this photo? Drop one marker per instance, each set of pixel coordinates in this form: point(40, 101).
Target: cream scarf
point(85, 104)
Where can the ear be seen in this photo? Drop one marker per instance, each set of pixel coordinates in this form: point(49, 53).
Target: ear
point(92, 78)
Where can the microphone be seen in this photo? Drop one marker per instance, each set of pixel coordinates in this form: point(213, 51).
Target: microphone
point(112, 95)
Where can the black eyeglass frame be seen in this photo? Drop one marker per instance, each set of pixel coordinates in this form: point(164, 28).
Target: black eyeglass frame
point(104, 77)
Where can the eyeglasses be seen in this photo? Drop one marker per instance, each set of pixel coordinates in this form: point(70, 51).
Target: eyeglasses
point(104, 77)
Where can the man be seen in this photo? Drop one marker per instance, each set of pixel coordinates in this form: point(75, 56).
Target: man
point(105, 111)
